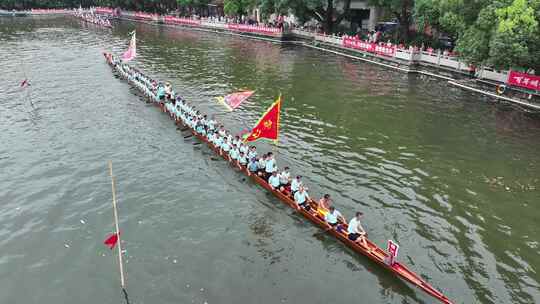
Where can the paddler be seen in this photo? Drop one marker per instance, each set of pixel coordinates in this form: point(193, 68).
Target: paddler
point(270, 165)
point(285, 177)
point(233, 153)
point(211, 124)
point(211, 137)
point(296, 183)
point(160, 92)
point(252, 152)
point(334, 217)
point(168, 90)
point(244, 149)
point(242, 159)
point(325, 202)
point(222, 131)
point(262, 165)
point(253, 165)
point(218, 141)
point(226, 146)
point(301, 198)
point(273, 181)
point(356, 231)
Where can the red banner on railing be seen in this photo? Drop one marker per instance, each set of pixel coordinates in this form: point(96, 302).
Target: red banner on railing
point(175, 20)
point(48, 11)
point(524, 80)
point(145, 16)
point(265, 30)
point(104, 10)
point(365, 46)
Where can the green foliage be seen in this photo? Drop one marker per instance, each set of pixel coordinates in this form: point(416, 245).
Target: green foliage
point(501, 33)
point(238, 7)
point(402, 10)
point(329, 13)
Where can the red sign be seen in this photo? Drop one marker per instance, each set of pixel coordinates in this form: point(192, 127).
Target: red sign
point(175, 20)
point(266, 30)
point(104, 10)
point(145, 16)
point(392, 249)
point(523, 80)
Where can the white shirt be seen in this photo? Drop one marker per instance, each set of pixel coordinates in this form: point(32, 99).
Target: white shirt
point(270, 165)
point(354, 226)
point(332, 218)
point(284, 177)
point(274, 181)
point(295, 185)
point(300, 197)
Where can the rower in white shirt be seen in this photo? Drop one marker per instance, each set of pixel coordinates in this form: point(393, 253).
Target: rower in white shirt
point(334, 217)
point(233, 153)
point(273, 181)
point(301, 198)
point(252, 152)
point(296, 183)
point(285, 177)
point(270, 166)
point(356, 231)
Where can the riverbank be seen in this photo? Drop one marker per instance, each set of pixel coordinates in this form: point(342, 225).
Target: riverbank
point(485, 82)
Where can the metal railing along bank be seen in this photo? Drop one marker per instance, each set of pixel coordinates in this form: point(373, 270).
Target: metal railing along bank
point(411, 55)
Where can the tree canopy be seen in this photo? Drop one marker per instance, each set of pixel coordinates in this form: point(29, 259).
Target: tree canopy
point(499, 33)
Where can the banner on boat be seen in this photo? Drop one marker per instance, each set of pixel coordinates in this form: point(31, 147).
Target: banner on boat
point(131, 51)
point(523, 80)
point(268, 126)
point(393, 249)
point(233, 101)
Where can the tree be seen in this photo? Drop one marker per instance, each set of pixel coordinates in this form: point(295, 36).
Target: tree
point(198, 5)
point(516, 36)
point(402, 10)
point(237, 7)
point(327, 12)
point(500, 33)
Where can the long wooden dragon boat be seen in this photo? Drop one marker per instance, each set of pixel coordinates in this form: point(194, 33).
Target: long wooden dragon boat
point(372, 251)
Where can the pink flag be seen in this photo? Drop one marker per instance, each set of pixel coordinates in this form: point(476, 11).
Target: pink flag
point(131, 51)
point(233, 101)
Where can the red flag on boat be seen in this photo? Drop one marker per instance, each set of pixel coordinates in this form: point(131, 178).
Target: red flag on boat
point(111, 241)
point(233, 101)
point(268, 126)
point(132, 49)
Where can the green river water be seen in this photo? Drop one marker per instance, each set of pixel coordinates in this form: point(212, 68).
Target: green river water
point(453, 178)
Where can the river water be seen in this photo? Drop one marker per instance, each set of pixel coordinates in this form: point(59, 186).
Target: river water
point(448, 175)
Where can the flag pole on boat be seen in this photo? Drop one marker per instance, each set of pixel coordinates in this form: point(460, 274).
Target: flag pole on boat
point(115, 212)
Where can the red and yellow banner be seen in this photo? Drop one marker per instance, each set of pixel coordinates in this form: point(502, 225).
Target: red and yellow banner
point(268, 126)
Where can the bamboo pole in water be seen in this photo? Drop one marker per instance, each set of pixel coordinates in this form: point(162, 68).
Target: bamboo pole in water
point(115, 211)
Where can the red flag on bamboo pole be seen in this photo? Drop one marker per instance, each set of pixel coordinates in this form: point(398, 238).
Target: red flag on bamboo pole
point(268, 125)
point(111, 241)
